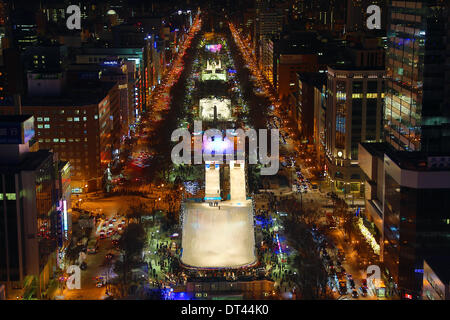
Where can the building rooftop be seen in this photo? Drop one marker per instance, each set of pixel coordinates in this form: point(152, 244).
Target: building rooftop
point(314, 78)
point(79, 93)
point(408, 160)
point(31, 161)
point(14, 118)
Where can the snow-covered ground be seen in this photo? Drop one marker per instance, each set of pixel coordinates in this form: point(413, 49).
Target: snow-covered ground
point(218, 238)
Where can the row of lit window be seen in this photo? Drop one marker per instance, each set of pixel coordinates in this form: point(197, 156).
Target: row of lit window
point(45, 126)
point(63, 140)
point(59, 111)
point(70, 119)
point(368, 95)
point(76, 119)
point(9, 196)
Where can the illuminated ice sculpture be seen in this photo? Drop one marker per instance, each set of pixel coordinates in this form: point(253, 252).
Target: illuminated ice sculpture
point(215, 106)
point(221, 235)
point(214, 71)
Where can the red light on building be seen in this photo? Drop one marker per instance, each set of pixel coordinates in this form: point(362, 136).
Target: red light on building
point(408, 296)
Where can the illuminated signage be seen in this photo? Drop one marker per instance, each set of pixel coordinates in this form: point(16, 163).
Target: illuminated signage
point(65, 224)
point(110, 63)
point(28, 129)
point(214, 48)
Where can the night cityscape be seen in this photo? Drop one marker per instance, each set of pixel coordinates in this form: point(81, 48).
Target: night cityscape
point(225, 150)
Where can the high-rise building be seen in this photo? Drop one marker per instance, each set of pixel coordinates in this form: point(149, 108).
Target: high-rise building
point(417, 110)
point(407, 212)
point(79, 126)
point(354, 114)
point(407, 178)
point(32, 205)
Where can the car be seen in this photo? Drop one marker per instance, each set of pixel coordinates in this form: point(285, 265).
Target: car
point(83, 266)
point(349, 276)
point(364, 283)
point(352, 283)
point(355, 294)
point(114, 219)
point(109, 255)
point(102, 236)
point(363, 291)
point(100, 281)
point(342, 287)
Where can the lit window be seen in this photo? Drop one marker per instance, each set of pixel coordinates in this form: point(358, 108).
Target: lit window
point(69, 119)
point(55, 140)
point(76, 119)
point(46, 119)
point(40, 126)
point(39, 119)
point(63, 140)
point(9, 196)
point(96, 117)
point(47, 126)
point(84, 118)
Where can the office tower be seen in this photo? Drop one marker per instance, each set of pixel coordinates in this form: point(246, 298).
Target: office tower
point(417, 107)
point(407, 178)
point(33, 207)
point(354, 113)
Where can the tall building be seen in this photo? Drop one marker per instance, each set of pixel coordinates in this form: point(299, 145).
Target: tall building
point(417, 113)
point(79, 126)
point(269, 24)
point(407, 212)
point(354, 114)
point(407, 178)
point(34, 211)
point(294, 53)
point(24, 27)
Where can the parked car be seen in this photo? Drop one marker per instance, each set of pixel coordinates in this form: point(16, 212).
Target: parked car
point(83, 266)
point(352, 283)
point(342, 287)
point(363, 291)
point(364, 283)
point(354, 294)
